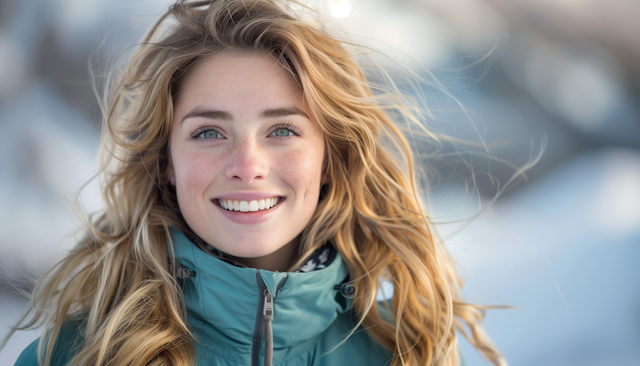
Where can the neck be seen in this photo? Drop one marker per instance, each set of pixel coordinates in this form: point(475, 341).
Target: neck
point(278, 261)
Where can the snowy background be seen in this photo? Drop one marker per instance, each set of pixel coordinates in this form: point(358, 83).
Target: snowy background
point(561, 247)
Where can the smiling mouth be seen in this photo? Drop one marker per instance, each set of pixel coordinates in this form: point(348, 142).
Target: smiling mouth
point(249, 206)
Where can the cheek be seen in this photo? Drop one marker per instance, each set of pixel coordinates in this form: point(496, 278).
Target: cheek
point(194, 171)
point(303, 169)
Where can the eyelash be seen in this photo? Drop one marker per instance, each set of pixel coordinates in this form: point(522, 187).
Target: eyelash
point(204, 128)
point(296, 131)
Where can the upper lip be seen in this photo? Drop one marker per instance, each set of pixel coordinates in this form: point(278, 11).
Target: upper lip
point(246, 196)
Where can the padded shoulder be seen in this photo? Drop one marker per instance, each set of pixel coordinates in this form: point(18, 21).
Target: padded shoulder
point(69, 341)
point(29, 357)
point(358, 349)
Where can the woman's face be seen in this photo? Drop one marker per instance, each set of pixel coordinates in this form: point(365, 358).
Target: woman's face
point(242, 137)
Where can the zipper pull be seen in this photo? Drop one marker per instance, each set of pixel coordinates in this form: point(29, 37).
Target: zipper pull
point(268, 305)
point(267, 316)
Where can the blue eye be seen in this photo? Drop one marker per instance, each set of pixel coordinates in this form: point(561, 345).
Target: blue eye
point(209, 134)
point(283, 132)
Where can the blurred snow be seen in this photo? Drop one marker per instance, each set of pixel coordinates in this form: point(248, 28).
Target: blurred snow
point(563, 250)
point(582, 84)
point(46, 151)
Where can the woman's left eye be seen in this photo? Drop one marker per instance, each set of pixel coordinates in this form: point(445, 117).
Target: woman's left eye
point(283, 132)
point(209, 134)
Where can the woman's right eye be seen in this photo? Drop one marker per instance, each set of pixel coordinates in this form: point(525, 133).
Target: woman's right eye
point(209, 134)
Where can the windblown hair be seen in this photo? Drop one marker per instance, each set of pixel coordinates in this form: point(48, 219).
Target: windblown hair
point(118, 276)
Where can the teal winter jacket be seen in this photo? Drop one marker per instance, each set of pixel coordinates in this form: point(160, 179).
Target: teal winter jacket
point(239, 314)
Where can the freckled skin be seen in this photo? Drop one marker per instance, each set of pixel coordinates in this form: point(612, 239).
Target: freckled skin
point(245, 156)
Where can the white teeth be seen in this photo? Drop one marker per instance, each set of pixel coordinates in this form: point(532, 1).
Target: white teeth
point(253, 206)
point(246, 206)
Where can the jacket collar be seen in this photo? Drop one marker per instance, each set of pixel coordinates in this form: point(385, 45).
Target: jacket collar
point(223, 302)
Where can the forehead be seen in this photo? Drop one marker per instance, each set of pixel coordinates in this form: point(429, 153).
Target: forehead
point(234, 74)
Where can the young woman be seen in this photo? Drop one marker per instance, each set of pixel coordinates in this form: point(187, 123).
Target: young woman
point(257, 193)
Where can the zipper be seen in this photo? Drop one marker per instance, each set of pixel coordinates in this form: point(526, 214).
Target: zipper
point(264, 317)
point(267, 317)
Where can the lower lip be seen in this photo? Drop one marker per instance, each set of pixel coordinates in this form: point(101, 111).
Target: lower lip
point(250, 217)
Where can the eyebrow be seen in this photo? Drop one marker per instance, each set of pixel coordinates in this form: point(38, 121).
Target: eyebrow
point(226, 116)
point(283, 112)
point(207, 113)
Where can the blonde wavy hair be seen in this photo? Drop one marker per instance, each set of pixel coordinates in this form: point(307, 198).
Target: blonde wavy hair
point(118, 275)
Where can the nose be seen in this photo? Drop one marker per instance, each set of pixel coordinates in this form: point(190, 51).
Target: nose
point(248, 162)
